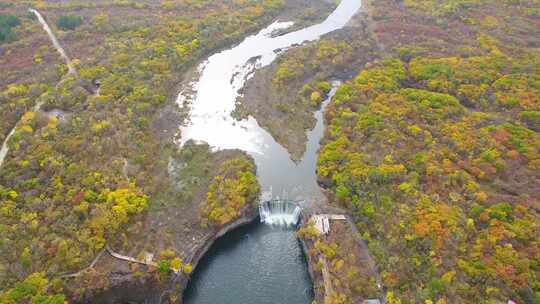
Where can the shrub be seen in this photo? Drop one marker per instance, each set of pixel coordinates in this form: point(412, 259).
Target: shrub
point(69, 22)
point(164, 267)
point(188, 268)
point(7, 22)
point(324, 86)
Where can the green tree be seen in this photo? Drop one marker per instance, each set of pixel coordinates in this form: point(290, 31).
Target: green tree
point(7, 22)
point(69, 22)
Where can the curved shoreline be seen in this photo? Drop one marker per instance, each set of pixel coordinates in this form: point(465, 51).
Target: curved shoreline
point(248, 218)
point(130, 288)
point(236, 268)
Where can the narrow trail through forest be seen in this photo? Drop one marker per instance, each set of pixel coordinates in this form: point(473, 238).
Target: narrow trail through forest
point(80, 272)
point(54, 40)
point(71, 71)
point(115, 255)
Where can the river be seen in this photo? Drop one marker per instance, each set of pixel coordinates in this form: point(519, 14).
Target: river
point(260, 263)
point(223, 74)
point(254, 264)
point(257, 263)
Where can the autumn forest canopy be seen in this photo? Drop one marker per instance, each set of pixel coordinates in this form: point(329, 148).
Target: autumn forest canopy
point(431, 144)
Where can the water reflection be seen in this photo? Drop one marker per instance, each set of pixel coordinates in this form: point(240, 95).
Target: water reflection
point(223, 74)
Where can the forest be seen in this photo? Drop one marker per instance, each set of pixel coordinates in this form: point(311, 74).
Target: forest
point(88, 166)
point(235, 186)
point(461, 184)
point(437, 157)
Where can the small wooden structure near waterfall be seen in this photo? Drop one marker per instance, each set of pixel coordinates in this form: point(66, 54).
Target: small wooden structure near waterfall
point(322, 221)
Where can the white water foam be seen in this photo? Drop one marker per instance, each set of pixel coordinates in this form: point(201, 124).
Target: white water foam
point(280, 213)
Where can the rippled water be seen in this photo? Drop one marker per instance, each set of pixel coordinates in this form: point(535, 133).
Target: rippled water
point(256, 264)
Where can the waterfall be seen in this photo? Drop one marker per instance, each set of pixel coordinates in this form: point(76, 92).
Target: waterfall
point(54, 40)
point(280, 212)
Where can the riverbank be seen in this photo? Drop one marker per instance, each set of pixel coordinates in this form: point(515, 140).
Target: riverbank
point(283, 96)
point(340, 264)
point(250, 214)
point(213, 99)
point(159, 229)
point(131, 284)
point(259, 263)
point(426, 142)
point(407, 151)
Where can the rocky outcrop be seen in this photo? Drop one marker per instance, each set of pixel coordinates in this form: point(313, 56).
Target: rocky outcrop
point(316, 277)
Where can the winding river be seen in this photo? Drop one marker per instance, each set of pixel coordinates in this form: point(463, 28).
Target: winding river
point(258, 263)
point(223, 74)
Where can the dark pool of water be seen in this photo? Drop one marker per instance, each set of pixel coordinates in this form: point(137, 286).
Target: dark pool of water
point(255, 264)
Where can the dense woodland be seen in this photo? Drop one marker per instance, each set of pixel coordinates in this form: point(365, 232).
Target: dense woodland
point(437, 157)
point(446, 196)
point(87, 166)
point(232, 189)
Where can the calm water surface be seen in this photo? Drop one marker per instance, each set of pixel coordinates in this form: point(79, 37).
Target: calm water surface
point(258, 263)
